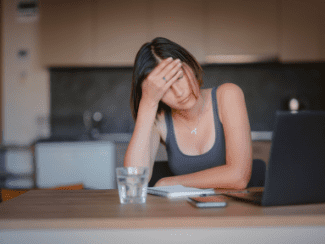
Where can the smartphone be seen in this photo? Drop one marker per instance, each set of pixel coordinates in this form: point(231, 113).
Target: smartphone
point(218, 201)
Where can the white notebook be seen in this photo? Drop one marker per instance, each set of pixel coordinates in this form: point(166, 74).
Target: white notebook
point(178, 191)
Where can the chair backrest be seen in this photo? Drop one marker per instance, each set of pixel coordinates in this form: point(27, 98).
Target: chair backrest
point(258, 174)
point(160, 170)
point(16, 167)
point(66, 163)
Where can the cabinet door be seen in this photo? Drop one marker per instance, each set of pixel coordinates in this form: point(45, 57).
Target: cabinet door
point(322, 31)
point(120, 31)
point(236, 27)
point(180, 21)
point(65, 32)
point(302, 30)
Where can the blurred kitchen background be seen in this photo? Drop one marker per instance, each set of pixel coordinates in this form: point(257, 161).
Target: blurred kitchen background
point(66, 65)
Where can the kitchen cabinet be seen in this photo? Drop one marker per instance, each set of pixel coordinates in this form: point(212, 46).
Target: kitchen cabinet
point(236, 27)
point(322, 31)
point(181, 21)
point(66, 33)
point(121, 28)
point(109, 33)
point(302, 31)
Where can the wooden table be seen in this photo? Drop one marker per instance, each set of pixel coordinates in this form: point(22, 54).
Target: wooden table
point(96, 216)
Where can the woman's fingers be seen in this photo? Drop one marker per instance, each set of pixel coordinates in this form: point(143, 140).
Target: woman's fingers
point(165, 67)
point(173, 80)
point(161, 66)
point(161, 79)
point(171, 70)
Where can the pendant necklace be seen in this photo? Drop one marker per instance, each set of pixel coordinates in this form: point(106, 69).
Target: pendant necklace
point(195, 129)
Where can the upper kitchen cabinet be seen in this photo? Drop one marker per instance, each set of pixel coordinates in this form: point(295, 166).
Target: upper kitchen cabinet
point(66, 32)
point(181, 21)
point(322, 31)
point(109, 33)
point(302, 31)
point(121, 28)
point(237, 27)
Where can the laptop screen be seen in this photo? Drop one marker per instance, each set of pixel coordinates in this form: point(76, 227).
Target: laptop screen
point(296, 167)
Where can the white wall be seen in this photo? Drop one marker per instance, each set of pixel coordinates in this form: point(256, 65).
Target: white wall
point(25, 84)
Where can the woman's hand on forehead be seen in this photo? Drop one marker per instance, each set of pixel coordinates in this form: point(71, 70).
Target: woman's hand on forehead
point(161, 79)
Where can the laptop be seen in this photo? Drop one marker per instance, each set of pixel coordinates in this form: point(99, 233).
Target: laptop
point(296, 169)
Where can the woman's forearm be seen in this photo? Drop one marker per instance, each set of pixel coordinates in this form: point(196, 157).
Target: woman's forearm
point(235, 174)
point(138, 151)
point(218, 177)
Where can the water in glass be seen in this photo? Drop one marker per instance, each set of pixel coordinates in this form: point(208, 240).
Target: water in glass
point(132, 188)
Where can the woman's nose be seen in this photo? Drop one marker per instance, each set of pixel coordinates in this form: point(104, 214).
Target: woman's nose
point(178, 90)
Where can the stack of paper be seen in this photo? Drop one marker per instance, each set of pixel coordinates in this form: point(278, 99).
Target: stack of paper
point(178, 191)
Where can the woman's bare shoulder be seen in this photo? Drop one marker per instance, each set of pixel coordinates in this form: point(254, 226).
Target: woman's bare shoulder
point(229, 89)
point(228, 95)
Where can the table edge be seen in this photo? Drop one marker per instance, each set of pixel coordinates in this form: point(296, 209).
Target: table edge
point(164, 223)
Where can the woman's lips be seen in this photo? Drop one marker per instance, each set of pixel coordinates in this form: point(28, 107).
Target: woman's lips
point(185, 100)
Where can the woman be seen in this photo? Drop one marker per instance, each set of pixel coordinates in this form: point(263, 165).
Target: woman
point(206, 131)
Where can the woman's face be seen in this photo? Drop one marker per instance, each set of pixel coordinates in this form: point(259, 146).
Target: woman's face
point(180, 95)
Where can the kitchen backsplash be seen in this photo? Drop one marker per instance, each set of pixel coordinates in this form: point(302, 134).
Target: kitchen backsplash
point(98, 98)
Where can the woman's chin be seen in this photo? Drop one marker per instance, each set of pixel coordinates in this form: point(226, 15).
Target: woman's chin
point(188, 103)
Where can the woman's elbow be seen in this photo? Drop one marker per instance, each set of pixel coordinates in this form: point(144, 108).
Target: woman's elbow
point(240, 184)
point(241, 181)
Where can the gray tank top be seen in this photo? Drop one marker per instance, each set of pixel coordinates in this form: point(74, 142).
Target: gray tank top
point(181, 163)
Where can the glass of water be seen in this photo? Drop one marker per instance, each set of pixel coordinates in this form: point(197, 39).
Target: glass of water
point(132, 184)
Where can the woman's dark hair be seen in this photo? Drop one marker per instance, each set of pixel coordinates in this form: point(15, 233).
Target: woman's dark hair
point(146, 61)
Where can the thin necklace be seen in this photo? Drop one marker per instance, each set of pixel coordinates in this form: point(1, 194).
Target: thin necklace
point(195, 129)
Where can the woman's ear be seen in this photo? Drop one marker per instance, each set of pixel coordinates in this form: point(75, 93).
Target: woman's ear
point(192, 80)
